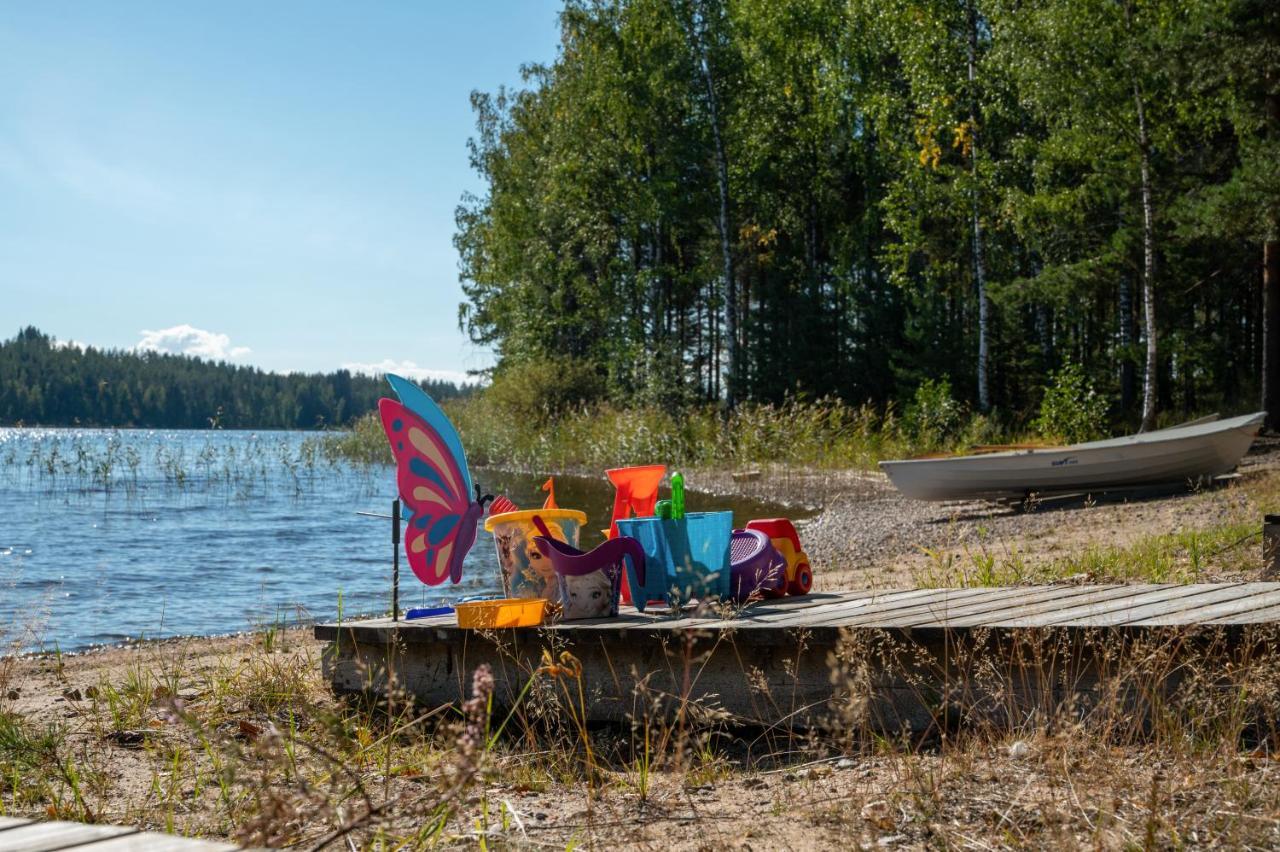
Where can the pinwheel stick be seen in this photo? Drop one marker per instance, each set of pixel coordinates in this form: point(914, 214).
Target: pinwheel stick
point(395, 560)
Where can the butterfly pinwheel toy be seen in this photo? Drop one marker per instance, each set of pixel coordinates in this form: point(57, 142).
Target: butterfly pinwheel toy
point(444, 505)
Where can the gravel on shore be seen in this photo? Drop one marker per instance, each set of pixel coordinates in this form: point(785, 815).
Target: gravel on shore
point(867, 535)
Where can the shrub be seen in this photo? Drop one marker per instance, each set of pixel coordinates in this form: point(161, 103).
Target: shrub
point(933, 415)
point(363, 443)
point(538, 391)
point(510, 429)
point(1072, 411)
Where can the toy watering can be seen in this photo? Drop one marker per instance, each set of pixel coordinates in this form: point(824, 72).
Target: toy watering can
point(590, 582)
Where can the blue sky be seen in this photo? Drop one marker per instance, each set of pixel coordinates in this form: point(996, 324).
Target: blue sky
point(274, 183)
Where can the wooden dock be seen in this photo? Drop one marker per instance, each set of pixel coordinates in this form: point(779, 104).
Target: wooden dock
point(21, 835)
point(908, 645)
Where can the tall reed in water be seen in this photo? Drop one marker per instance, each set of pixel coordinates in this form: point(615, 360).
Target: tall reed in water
point(127, 461)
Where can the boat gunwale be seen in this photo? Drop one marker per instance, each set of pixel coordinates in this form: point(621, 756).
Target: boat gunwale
point(1142, 439)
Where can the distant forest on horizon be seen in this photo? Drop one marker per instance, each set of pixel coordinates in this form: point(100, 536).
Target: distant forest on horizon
point(714, 201)
point(44, 383)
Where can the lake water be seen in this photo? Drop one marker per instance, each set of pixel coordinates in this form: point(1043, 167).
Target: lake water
point(108, 536)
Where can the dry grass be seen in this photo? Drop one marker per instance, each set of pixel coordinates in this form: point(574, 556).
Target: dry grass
point(1012, 746)
point(1216, 536)
point(825, 434)
point(1166, 739)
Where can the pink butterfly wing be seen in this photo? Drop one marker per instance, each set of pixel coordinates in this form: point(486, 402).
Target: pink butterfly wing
point(442, 528)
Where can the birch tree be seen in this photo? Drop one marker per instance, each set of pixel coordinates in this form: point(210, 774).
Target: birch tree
point(1086, 69)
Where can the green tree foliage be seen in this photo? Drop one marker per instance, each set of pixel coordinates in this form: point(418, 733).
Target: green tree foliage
point(975, 191)
point(43, 383)
point(1071, 410)
point(933, 415)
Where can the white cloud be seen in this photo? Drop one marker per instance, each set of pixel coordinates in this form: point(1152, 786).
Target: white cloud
point(69, 344)
point(409, 370)
point(188, 340)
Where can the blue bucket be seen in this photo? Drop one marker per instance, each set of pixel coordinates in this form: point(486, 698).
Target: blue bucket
point(685, 558)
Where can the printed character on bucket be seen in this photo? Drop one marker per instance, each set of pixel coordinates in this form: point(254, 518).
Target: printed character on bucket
point(526, 573)
point(591, 595)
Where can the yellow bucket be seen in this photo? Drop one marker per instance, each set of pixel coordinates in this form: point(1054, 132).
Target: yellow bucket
point(526, 573)
point(507, 612)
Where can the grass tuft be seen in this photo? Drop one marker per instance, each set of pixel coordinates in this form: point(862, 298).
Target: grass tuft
point(826, 434)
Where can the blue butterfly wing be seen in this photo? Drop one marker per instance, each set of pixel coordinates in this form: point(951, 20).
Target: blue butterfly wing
point(416, 400)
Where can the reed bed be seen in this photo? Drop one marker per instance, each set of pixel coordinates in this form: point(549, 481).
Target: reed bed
point(128, 462)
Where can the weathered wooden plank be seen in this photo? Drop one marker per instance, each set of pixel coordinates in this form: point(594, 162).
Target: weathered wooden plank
point(924, 607)
point(1270, 615)
point(906, 608)
point(11, 822)
point(655, 622)
point(1017, 601)
point(150, 841)
point(759, 613)
point(932, 604)
point(878, 603)
point(1113, 611)
point(49, 836)
point(829, 614)
point(1166, 608)
point(777, 611)
point(869, 601)
point(1250, 597)
point(798, 603)
point(627, 617)
point(1090, 595)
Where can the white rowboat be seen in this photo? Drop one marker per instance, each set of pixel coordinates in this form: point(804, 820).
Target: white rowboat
point(1193, 451)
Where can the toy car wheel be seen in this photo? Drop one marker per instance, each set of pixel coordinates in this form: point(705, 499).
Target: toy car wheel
point(803, 581)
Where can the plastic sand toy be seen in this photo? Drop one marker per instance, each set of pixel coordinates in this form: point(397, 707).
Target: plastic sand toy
point(434, 483)
point(756, 567)
point(635, 492)
point(677, 495)
point(684, 558)
point(526, 573)
point(590, 582)
point(505, 612)
point(782, 533)
point(635, 495)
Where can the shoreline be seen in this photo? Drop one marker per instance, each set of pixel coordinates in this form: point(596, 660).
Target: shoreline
point(238, 737)
point(862, 533)
point(159, 641)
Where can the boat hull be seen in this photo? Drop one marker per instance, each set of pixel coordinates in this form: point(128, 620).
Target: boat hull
point(1196, 451)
